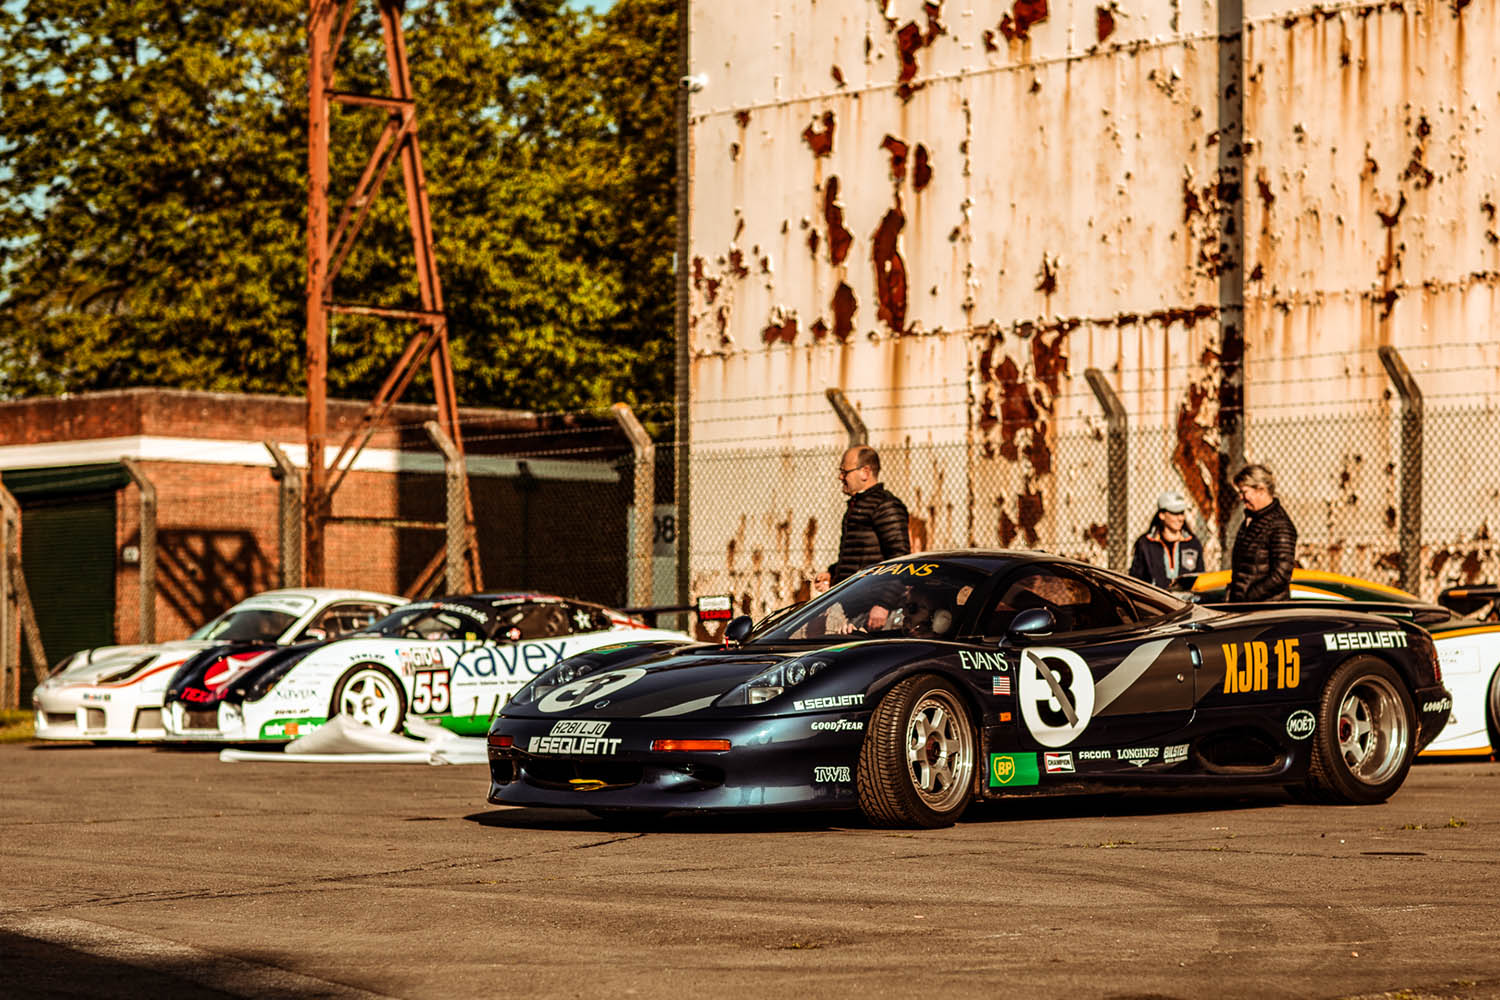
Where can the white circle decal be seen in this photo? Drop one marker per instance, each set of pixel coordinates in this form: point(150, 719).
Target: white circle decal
point(587, 689)
point(1046, 716)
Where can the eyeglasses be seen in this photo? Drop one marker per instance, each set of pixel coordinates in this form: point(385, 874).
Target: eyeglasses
point(844, 473)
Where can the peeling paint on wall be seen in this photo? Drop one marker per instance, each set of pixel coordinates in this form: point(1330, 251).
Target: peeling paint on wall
point(819, 135)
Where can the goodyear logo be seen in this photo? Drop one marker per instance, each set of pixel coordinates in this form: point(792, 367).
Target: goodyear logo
point(1012, 770)
point(1441, 705)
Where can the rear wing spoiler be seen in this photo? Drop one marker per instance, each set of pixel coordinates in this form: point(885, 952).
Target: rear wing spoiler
point(1421, 614)
point(1467, 600)
point(710, 612)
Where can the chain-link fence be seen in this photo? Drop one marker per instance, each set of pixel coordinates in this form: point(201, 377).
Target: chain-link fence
point(765, 522)
point(556, 504)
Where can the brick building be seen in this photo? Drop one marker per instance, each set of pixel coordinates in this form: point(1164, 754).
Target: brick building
point(218, 514)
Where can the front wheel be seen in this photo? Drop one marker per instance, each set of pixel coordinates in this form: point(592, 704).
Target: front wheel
point(370, 696)
point(1365, 740)
point(916, 767)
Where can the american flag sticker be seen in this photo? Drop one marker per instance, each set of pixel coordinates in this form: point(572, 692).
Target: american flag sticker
point(1000, 684)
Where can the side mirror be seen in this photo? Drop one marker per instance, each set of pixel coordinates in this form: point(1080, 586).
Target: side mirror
point(1030, 624)
point(738, 630)
point(314, 634)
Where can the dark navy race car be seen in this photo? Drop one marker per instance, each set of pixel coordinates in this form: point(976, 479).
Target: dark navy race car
point(926, 682)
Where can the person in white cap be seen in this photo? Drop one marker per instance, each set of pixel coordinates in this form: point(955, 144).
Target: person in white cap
point(1168, 549)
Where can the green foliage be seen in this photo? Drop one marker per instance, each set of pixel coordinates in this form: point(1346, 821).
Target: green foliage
point(153, 197)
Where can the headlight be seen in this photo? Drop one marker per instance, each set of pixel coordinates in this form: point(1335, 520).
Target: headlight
point(565, 672)
point(769, 683)
point(125, 672)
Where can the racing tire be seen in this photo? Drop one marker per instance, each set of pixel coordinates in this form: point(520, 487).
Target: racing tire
point(372, 696)
point(1492, 712)
point(1366, 735)
point(916, 766)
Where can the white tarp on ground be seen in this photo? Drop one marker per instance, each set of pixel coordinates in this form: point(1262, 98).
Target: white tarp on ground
point(347, 742)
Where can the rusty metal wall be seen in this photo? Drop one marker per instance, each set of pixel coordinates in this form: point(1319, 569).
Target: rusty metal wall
point(951, 208)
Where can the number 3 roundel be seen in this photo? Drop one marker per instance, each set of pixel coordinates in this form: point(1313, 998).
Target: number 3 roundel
point(1052, 723)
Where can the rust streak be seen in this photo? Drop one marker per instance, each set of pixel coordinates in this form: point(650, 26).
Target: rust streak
point(820, 140)
point(1195, 457)
point(737, 263)
point(1023, 14)
point(839, 238)
point(844, 307)
point(1006, 528)
point(1104, 23)
point(890, 271)
point(1017, 411)
point(1029, 510)
point(921, 173)
point(908, 44)
point(897, 150)
point(785, 331)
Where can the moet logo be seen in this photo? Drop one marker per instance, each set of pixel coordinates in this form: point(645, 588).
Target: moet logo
point(1300, 724)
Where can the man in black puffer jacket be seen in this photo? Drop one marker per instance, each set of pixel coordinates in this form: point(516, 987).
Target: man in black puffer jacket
point(875, 522)
point(1265, 548)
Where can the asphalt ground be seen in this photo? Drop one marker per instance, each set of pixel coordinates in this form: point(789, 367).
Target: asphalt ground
point(137, 871)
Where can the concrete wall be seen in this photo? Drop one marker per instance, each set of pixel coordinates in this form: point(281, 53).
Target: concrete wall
point(951, 210)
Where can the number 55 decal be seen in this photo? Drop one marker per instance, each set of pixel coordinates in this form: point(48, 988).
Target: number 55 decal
point(429, 691)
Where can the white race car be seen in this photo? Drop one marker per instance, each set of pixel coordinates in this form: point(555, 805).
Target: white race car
point(453, 661)
point(115, 692)
point(1468, 650)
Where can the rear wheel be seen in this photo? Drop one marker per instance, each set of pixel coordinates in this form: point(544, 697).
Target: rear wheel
point(1365, 739)
point(370, 696)
point(916, 767)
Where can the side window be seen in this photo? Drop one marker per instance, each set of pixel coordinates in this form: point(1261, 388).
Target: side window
point(1073, 601)
point(339, 619)
point(1146, 602)
point(582, 618)
point(532, 620)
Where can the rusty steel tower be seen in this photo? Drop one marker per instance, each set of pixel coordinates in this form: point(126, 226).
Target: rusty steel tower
point(328, 21)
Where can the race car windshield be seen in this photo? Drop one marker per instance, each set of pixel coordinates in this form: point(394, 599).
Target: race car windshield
point(917, 600)
point(427, 622)
point(246, 625)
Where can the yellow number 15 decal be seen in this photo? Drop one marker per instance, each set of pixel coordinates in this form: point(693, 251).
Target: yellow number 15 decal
point(1250, 671)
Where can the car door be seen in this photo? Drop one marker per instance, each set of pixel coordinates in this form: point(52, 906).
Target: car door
point(1112, 674)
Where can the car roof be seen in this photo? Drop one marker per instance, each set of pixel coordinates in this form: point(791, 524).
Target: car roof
point(321, 594)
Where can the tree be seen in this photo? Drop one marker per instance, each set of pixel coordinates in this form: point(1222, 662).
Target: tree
point(153, 198)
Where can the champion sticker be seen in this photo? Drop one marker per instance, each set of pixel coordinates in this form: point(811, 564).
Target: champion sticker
point(1058, 762)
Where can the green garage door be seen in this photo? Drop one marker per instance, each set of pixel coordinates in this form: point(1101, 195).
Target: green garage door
point(68, 552)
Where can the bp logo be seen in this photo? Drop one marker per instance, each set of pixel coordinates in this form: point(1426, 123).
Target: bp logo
point(1008, 770)
point(1300, 724)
